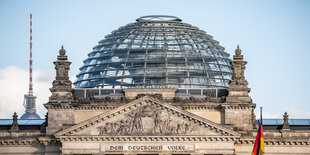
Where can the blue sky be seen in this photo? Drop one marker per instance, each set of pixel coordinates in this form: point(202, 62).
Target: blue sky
point(273, 34)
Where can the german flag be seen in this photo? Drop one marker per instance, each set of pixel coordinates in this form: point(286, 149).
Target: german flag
point(259, 147)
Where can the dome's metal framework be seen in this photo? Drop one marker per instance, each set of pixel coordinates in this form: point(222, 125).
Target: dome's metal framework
point(156, 51)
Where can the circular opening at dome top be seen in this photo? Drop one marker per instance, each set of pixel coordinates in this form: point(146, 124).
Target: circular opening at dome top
point(158, 18)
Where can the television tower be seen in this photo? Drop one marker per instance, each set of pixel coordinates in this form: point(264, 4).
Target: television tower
point(29, 99)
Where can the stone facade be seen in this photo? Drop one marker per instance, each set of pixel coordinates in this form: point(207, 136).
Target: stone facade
point(150, 121)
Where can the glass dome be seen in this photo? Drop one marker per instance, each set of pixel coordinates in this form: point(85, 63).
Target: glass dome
point(156, 51)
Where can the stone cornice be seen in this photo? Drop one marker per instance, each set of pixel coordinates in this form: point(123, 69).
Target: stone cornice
point(240, 106)
point(48, 140)
point(19, 141)
point(58, 106)
point(187, 106)
point(29, 141)
point(276, 141)
point(148, 138)
point(94, 108)
point(81, 107)
point(216, 106)
point(200, 107)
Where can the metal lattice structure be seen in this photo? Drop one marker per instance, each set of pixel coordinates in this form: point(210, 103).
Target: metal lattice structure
point(156, 51)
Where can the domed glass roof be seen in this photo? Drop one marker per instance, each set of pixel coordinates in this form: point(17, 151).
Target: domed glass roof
point(156, 51)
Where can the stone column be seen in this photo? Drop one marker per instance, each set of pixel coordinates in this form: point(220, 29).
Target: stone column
point(59, 107)
point(239, 109)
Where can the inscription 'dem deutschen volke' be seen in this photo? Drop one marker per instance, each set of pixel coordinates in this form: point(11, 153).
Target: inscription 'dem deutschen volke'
point(150, 148)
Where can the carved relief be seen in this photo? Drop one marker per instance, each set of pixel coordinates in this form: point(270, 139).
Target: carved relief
point(148, 120)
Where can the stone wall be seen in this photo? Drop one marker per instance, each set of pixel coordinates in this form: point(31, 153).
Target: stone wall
point(213, 115)
point(58, 119)
point(241, 117)
point(82, 115)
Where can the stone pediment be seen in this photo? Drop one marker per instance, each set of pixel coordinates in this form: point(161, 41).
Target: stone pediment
point(147, 116)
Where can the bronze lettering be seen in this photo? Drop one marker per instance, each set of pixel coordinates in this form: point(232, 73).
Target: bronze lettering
point(116, 148)
point(144, 148)
point(176, 148)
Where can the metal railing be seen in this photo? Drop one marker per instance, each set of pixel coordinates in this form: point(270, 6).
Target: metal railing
point(207, 92)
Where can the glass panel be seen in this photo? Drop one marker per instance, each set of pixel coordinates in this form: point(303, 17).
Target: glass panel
point(213, 67)
point(197, 80)
point(136, 57)
point(127, 80)
point(173, 72)
point(227, 76)
point(215, 75)
point(196, 73)
point(137, 72)
point(210, 60)
point(137, 52)
point(111, 73)
point(137, 80)
point(135, 65)
point(159, 80)
point(155, 72)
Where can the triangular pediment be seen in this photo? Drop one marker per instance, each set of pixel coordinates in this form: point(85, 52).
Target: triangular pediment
point(147, 116)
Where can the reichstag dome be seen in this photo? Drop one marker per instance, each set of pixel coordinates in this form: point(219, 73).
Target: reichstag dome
point(156, 51)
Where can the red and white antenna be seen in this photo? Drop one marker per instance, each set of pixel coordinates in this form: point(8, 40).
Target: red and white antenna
point(30, 61)
point(29, 99)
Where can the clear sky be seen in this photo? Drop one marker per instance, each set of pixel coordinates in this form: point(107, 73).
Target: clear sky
point(273, 34)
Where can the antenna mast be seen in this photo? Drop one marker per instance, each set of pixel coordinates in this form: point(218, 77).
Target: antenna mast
point(30, 61)
point(29, 99)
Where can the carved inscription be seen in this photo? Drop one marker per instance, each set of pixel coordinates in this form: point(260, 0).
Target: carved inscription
point(146, 147)
point(148, 119)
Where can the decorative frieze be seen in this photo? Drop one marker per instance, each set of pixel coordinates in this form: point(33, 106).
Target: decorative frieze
point(149, 120)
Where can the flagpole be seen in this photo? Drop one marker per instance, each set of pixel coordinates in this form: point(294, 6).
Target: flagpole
point(261, 115)
point(262, 147)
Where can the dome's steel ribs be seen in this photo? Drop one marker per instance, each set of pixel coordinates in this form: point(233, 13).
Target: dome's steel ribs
point(156, 51)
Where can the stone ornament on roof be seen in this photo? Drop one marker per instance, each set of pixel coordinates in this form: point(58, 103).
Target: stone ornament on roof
point(62, 51)
point(238, 88)
point(286, 125)
point(15, 123)
point(62, 86)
